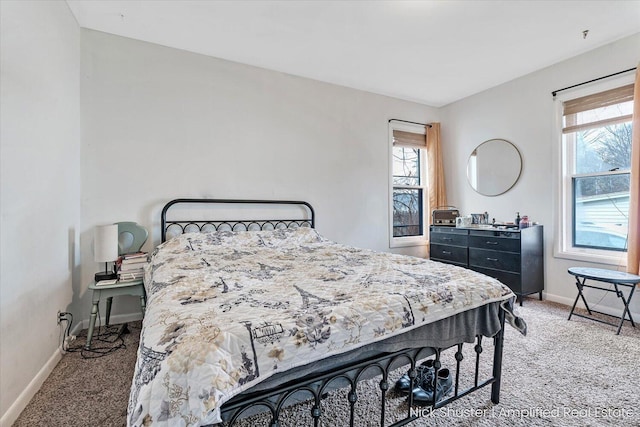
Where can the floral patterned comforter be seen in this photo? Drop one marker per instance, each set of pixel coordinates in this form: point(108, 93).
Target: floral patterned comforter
point(226, 310)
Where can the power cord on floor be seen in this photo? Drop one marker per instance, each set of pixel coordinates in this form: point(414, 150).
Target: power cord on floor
point(110, 335)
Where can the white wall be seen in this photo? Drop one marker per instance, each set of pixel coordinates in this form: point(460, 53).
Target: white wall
point(40, 182)
point(522, 111)
point(160, 123)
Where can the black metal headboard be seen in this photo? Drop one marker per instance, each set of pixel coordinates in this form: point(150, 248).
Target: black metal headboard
point(210, 224)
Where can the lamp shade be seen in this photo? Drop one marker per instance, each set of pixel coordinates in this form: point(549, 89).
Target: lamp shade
point(105, 243)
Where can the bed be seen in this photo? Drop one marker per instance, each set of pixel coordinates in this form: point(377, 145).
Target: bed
point(252, 315)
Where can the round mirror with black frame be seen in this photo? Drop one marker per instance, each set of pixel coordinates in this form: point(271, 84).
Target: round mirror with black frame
point(494, 167)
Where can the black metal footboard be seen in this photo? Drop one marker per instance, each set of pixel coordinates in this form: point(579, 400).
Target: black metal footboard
point(316, 388)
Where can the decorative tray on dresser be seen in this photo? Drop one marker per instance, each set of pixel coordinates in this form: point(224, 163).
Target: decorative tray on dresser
point(513, 256)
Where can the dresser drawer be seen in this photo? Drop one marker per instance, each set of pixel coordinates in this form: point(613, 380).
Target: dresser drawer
point(451, 254)
point(507, 244)
point(506, 234)
point(451, 238)
point(512, 280)
point(485, 258)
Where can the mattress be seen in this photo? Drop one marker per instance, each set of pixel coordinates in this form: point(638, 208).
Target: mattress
point(229, 310)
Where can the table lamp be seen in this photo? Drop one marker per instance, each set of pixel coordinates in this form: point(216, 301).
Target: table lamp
point(105, 249)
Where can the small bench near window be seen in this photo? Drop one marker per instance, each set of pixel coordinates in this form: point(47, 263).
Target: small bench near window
point(618, 279)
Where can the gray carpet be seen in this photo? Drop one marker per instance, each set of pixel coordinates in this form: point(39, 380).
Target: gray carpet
point(563, 373)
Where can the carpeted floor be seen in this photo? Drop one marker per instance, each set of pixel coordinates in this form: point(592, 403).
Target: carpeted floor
point(563, 373)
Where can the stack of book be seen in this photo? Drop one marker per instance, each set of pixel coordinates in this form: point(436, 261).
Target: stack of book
point(131, 267)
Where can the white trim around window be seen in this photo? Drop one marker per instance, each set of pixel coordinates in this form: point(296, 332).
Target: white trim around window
point(563, 210)
point(408, 241)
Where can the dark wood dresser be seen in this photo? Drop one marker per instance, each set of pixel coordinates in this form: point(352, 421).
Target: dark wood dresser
point(515, 257)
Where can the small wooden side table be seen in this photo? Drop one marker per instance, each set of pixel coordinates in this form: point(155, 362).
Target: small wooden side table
point(617, 278)
point(135, 288)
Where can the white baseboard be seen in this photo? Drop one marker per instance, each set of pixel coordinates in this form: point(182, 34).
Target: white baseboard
point(16, 408)
point(614, 311)
point(559, 299)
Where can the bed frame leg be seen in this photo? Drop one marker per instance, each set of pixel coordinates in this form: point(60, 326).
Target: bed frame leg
point(497, 361)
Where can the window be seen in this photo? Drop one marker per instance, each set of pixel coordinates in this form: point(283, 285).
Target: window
point(596, 162)
point(408, 184)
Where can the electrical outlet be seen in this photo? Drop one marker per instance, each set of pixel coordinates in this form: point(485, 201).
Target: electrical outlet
point(62, 316)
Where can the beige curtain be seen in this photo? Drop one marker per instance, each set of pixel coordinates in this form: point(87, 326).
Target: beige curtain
point(633, 252)
point(437, 190)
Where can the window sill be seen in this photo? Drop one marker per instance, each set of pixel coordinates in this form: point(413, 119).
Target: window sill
point(618, 259)
point(408, 242)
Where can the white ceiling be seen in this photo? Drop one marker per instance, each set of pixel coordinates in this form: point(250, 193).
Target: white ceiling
point(432, 52)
